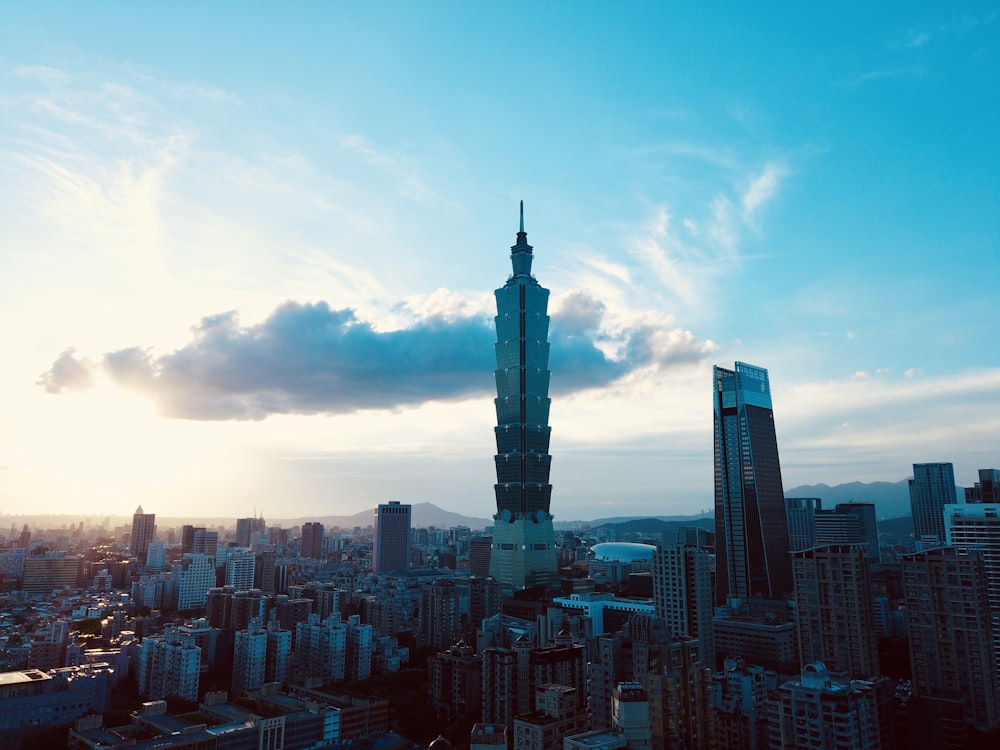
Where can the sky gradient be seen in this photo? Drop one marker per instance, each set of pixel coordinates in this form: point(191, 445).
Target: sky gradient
point(247, 251)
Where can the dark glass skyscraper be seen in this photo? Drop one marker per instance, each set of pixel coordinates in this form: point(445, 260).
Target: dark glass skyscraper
point(751, 531)
point(523, 553)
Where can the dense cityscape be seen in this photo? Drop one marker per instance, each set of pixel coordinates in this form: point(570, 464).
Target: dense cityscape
point(777, 623)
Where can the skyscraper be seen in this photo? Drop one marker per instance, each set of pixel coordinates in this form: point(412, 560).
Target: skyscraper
point(751, 530)
point(391, 545)
point(932, 487)
point(312, 540)
point(143, 528)
point(523, 553)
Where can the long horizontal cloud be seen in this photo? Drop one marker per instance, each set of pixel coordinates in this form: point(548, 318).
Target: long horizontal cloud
point(309, 358)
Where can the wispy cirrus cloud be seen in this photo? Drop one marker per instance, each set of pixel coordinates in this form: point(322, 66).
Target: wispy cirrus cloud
point(311, 358)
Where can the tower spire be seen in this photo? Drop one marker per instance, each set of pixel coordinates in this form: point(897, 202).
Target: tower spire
point(521, 230)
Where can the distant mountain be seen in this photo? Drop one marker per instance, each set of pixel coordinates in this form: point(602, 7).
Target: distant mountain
point(892, 499)
point(655, 525)
point(422, 515)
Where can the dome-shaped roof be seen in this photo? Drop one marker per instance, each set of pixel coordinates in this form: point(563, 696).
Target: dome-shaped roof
point(439, 744)
point(623, 551)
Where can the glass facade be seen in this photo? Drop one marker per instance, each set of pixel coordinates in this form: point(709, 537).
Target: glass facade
point(522, 380)
point(751, 529)
point(523, 552)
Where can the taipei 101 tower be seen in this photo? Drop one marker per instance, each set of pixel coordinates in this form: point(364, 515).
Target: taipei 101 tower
point(523, 553)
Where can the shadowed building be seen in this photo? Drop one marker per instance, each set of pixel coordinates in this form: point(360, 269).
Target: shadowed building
point(836, 620)
point(751, 530)
point(524, 551)
point(391, 543)
point(143, 529)
point(932, 487)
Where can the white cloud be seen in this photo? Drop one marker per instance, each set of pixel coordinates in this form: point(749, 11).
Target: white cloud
point(762, 190)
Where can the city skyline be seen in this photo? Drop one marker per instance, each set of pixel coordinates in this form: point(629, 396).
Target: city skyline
point(231, 273)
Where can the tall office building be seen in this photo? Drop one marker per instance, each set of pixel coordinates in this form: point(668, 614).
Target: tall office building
point(312, 540)
point(143, 529)
point(751, 530)
point(247, 528)
point(932, 487)
point(951, 649)
point(391, 543)
point(524, 550)
point(987, 489)
point(833, 597)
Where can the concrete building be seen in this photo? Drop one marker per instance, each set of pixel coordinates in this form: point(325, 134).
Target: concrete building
point(558, 713)
point(167, 667)
point(800, 514)
point(143, 530)
point(240, 566)
point(986, 490)
point(977, 526)
point(313, 535)
point(53, 572)
point(32, 700)
point(391, 542)
point(816, 711)
point(455, 682)
point(682, 591)
point(630, 715)
point(278, 657)
point(669, 670)
point(765, 638)
point(836, 621)
point(932, 487)
point(444, 614)
point(510, 676)
point(320, 652)
point(849, 523)
point(950, 630)
point(194, 575)
point(249, 658)
point(739, 707)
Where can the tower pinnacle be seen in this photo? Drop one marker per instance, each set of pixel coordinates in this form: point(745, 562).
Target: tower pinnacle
point(521, 231)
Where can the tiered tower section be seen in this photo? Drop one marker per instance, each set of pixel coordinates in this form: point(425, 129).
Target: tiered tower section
point(523, 553)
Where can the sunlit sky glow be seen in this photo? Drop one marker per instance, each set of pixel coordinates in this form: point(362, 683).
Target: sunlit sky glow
point(247, 251)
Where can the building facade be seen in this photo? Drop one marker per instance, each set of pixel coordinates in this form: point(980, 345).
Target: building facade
point(949, 622)
point(836, 619)
point(312, 540)
point(932, 487)
point(391, 543)
point(682, 591)
point(143, 530)
point(524, 550)
point(751, 530)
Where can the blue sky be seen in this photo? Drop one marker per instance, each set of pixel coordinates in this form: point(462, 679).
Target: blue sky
point(247, 251)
